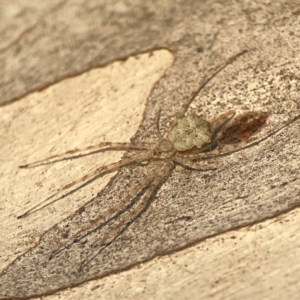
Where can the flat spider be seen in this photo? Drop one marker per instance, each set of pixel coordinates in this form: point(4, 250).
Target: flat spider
point(191, 138)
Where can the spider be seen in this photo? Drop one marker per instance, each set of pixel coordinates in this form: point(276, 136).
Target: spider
point(189, 140)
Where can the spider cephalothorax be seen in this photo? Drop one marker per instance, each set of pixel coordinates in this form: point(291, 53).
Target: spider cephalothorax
point(164, 149)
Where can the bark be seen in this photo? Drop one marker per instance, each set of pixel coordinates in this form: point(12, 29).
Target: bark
point(77, 73)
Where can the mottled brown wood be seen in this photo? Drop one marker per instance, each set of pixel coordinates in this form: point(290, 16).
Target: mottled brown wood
point(66, 38)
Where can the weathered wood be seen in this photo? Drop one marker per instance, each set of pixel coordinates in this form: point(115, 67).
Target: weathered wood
point(64, 39)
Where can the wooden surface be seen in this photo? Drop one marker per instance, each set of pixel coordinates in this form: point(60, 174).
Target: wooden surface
point(109, 100)
point(257, 262)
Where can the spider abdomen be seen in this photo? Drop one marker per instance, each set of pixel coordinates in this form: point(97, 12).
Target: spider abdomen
point(191, 132)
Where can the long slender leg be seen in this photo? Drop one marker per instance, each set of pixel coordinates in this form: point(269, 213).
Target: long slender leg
point(205, 80)
point(101, 146)
point(157, 124)
point(98, 244)
point(220, 122)
point(110, 168)
point(191, 165)
point(207, 156)
point(119, 207)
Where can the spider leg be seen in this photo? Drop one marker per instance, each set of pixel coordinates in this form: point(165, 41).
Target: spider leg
point(253, 142)
point(104, 169)
point(157, 125)
point(117, 208)
point(191, 165)
point(204, 81)
point(221, 121)
point(104, 146)
point(100, 245)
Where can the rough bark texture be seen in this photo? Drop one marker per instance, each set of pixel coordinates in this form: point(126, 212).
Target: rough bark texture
point(44, 43)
